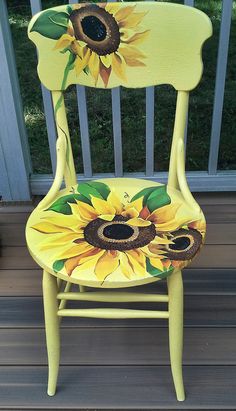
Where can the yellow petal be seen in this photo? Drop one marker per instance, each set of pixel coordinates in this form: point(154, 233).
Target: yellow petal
point(107, 217)
point(137, 261)
point(138, 38)
point(80, 64)
point(138, 222)
point(159, 240)
point(124, 12)
point(106, 60)
point(125, 265)
point(64, 41)
point(102, 206)
point(94, 66)
point(164, 214)
point(129, 52)
point(137, 204)
point(156, 262)
point(106, 265)
point(86, 260)
point(85, 211)
point(118, 65)
point(48, 228)
point(75, 250)
point(115, 202)
point(112, 8)
point(133, 20)
point(61, 240)
point(67, 221)
point(130, 213)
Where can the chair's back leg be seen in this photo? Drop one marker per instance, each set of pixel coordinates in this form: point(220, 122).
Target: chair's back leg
point(175, 291)
point(50, 290)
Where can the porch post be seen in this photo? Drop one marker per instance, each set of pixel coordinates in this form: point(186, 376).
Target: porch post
point(15, 165)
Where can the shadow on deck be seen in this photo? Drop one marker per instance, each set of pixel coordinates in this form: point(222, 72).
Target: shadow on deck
point(122, 364)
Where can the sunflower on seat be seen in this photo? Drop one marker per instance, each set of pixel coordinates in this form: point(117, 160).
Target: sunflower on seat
point(94, 229)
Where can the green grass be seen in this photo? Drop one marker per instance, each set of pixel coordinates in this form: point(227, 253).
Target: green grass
point(132, 106)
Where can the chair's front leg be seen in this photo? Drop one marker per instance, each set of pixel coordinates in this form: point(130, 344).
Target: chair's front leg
point(50, 290)
point(175, 291)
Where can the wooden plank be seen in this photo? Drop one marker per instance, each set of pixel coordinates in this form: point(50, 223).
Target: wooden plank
point(196, 281)
point(118, 387)
point(14, 234)
point(200, 311)
point(119, 346)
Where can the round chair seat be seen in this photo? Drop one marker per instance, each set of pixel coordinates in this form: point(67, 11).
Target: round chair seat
point(113, 233)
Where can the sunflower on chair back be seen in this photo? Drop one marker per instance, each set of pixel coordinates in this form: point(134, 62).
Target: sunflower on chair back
point(95, 229)
point(100, 38)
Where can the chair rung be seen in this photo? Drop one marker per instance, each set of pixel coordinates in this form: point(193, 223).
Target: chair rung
point(113, 297)
point(115, 313)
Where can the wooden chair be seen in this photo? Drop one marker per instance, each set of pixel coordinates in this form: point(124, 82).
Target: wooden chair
point(122, 232)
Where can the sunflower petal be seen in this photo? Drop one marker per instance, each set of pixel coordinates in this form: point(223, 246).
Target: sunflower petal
point(138, 222)
point(106, 60)
point(130, 213)
point(115, 202)
point(138, 37)
point(49, 228)
point(125, 265)
point(118, 65)
point(124, 12)
point(157, 263)
point(64, 41)
point(93, 64)
point(137, 261)
point(85, 211)
point(132, 20)
point(130, 52)
point(75, 250)
point(83, 260)
point(106, 264)
point(102, 206)
point(105, 74)
point(80, 64)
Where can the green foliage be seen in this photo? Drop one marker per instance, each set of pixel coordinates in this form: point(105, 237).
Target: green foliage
point(153, 197)
point(154, 271)
point(62, 205)
point(95, 189)
point(51, 24)
point(58, 265)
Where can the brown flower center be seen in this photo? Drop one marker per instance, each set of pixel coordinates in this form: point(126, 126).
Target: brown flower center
point(185, 244)
point(97, 28)
point(118, 234)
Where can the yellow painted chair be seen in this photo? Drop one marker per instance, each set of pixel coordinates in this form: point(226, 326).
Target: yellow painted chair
point(122, 232)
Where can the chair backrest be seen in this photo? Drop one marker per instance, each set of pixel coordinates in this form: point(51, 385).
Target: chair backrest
point(106, 45)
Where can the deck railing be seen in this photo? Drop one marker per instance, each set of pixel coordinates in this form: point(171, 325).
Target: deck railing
point(18, 182)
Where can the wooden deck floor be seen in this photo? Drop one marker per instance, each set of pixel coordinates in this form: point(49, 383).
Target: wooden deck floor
point(122, 364)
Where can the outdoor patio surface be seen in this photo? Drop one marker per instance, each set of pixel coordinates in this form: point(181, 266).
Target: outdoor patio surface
point(122, 364)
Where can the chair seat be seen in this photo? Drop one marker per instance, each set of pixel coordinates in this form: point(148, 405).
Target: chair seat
point(117, 232)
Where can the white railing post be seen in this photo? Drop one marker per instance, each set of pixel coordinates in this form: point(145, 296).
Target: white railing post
point(15, 165)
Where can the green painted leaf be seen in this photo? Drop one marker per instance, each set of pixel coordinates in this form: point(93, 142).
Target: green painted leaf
point(51, 24)
point(102, 188)
point(155, 272)
point(94, 188)
point(144, 193)
point(158, 198)
point(61, 205)
point(58, 265)
point(69, 9)
point(87, 191)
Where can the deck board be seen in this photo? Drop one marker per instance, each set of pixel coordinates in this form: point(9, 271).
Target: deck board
point(129, 387)
point(118, 346)
point(122, 364)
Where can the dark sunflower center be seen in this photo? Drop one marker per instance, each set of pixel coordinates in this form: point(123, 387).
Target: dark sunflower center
point(185, 244)
point(180, 243)
point(118, 234)
point(94, 28)
point(97, 28)
point(118, 231)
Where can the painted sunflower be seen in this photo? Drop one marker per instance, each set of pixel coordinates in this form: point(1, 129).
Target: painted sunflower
point(95, 230)
point(103, 39)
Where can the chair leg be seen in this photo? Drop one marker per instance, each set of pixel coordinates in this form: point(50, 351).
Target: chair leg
point(175, 291)
point(50, 290)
